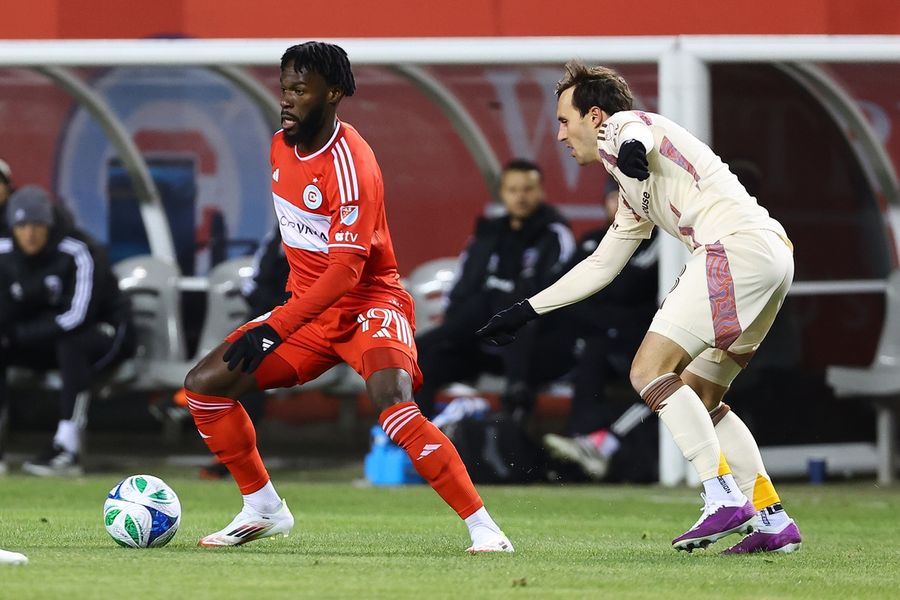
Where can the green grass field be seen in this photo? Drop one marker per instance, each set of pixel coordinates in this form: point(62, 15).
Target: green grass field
point(355, 542)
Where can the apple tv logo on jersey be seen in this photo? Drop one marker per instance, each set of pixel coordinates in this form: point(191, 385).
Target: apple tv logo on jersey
point(346, 236)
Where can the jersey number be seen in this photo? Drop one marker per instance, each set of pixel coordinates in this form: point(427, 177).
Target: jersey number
point(386, 323)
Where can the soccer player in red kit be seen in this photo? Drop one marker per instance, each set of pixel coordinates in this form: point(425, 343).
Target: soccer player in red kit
point(346, 305)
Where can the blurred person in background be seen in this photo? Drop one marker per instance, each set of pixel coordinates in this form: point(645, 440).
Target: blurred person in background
point(610, 326)
point(61, 214)
point(6, 190)
point(265, 290)
point(714, 318)
point(60, 308)
point(508, 258)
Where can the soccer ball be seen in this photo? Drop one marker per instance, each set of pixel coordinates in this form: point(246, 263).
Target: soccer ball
point(141, 511)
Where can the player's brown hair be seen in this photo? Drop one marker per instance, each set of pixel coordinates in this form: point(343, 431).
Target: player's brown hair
point(595, 86)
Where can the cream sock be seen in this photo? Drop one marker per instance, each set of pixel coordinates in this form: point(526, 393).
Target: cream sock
point(681, 409)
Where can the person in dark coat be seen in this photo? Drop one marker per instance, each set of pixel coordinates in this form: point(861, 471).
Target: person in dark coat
point(6, 190)
point(60, 308)
point(508, 258)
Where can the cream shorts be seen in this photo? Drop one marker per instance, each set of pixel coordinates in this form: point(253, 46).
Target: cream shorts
point(725, 301)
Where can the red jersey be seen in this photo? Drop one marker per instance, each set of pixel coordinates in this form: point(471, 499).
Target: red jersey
point(332, 201)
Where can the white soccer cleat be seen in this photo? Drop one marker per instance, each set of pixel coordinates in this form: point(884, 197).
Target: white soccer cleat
point(250, 525)
point(12, 558)
point(498, 543)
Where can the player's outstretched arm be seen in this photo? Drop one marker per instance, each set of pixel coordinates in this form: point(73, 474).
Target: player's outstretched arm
point(589, 276)
point(584, 279)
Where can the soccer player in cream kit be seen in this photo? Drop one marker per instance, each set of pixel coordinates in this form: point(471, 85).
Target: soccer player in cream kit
point(713, 320)
point(346, 305)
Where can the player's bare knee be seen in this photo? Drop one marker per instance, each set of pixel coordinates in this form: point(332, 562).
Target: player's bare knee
point(709, 392)
point(388, 387)
point(641, 375)
point(388, 395)
point(383, 402)
point(199, 380)
point(710, 400)
point(209, 377)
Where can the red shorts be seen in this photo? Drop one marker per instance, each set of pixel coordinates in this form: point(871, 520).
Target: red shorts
point(367, 335)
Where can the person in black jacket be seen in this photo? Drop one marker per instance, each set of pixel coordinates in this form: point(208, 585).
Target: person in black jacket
point(509, 258)
point(610, 326)
point(267, 288)
point(6, 190)
point(60, 308)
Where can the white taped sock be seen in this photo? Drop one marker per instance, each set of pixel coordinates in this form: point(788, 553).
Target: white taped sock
point(482, 528)
point(264, 500)
point(773, 519)
point(723, 489)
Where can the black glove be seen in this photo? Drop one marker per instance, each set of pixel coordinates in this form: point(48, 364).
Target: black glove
point(632, 160)
point(501, 329)
point(251, 348)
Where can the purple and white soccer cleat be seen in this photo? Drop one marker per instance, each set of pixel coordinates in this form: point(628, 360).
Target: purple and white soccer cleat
point(718, 520)
point(785, 541)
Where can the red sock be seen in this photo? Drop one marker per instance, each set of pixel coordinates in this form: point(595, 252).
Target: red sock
point(433, 455)
point(226, 428)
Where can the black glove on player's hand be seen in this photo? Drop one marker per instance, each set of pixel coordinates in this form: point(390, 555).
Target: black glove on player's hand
point(501, 329)
point(251, 348)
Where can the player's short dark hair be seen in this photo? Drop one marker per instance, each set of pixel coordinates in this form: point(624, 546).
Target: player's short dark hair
point(522, 164)
point(328, 60)
point(595, 86)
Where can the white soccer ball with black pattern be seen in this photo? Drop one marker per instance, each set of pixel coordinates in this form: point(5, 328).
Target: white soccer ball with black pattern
point(141, 511)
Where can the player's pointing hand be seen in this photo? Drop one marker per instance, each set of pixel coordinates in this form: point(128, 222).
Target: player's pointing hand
point(251, 348)
point(502, 328)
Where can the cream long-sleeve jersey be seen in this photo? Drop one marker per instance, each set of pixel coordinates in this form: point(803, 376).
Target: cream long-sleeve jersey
point(690, 194)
